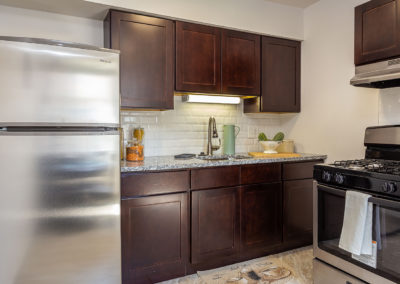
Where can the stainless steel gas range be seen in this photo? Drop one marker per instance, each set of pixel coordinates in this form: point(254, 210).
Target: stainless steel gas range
point(379, 176)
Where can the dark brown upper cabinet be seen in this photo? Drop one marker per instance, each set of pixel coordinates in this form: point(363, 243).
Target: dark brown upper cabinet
point(147, 59)
point(377, 31)
point(214, 60)
point(280, 77)
point(240, 63)
point(198, 58)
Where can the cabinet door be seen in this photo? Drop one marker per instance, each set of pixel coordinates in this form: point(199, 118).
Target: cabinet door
point(377, 31)
point(261, 218)
point(147, 60)
point(198, 58)
point(154, 238)
point(240, 63)
point(215, 224)
point(280, 75)
point(297, 212)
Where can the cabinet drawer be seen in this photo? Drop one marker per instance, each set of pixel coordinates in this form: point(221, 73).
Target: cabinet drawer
point(262, 173)
point(139, 184)
point(299, 170)
point(215, 177)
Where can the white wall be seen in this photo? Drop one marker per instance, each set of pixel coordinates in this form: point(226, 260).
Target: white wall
point(389, 106)
point(30, 23)
point(184, 129)
point(334, 114)
point(252, 15)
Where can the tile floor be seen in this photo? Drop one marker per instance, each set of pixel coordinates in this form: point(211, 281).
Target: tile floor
point(291, 267)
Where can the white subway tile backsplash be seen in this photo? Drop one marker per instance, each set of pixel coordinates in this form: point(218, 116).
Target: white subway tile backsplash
point(184, 129)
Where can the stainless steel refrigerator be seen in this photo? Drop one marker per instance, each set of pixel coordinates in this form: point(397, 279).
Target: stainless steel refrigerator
point(59, 163)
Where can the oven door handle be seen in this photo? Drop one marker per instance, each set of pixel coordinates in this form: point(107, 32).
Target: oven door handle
point(385, 203)
point(374, 200)
point(332, 190)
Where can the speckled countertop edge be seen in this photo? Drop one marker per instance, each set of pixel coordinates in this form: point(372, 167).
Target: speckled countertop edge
point(165, 163)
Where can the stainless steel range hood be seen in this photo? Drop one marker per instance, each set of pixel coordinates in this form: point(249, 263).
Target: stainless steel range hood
point(380, 75)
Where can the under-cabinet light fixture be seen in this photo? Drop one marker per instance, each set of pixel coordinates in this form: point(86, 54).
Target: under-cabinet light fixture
point(210, 99)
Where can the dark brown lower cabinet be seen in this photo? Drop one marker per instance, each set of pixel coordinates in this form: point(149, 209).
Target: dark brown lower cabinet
point(215, 224)
point(236, 213)
point(298, 212)
point(154, 238)
point(261, 221)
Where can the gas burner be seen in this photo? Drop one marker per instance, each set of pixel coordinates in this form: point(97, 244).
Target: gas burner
point(371, 165)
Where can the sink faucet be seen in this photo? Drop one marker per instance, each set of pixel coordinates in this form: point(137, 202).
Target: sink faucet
point(212, 134)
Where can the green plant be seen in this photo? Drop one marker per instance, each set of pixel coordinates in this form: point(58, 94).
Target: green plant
point(279, 136)
point(262, 137)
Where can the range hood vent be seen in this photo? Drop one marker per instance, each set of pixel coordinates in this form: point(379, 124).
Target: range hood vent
point(379, 75)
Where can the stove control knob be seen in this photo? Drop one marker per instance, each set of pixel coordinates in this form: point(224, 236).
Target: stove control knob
point(392, 187)
point(385, 187)
point(389, 187)
point(339, 178)
point(326, 176)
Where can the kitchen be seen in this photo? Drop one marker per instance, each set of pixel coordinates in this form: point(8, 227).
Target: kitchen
point(333, 118)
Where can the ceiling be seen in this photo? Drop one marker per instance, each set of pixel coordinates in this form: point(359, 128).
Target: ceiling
point(82, 8)
point(295, 3)
point(79, 8)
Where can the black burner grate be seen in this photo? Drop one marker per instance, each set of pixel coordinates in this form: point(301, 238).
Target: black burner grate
point(371, 165)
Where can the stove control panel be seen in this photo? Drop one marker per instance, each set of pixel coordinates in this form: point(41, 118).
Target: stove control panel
point(346, 180)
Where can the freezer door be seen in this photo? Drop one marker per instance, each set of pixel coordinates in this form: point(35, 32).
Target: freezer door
point(60, 208)
point(43, 84)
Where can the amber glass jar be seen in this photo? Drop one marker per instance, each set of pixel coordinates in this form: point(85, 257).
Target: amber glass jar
point(134, 151)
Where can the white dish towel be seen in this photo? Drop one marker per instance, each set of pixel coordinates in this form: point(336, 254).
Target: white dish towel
point(356, 234)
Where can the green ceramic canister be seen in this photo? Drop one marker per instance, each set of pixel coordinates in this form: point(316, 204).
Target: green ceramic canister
point(230, 133)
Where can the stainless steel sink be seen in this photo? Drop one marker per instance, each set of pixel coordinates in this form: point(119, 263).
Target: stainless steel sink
point(223, 157)
point(241, 157)
point(213, 158)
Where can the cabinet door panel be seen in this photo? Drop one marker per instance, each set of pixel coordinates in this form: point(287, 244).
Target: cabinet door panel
point(377, 31)
point(240, 63)
point(198, 58)
point(154, 238)
point(261, 218)
point(215, 224)
point(147, 60)
point(297, 211)
point(280, 75)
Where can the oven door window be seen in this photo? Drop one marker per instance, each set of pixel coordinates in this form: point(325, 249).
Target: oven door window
point(386, 231)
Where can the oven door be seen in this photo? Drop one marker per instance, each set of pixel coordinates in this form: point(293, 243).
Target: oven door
point(329, 203)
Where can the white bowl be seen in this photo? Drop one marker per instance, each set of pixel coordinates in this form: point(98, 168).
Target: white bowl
point(270, 146)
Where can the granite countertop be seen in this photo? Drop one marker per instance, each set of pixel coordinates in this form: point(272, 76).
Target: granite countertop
point(160, 163)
